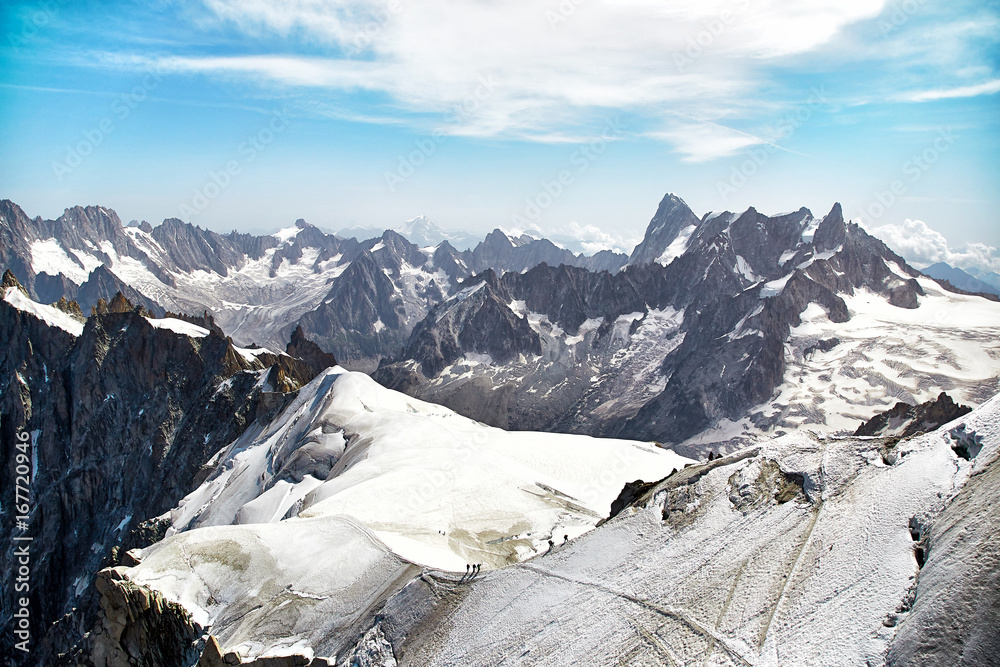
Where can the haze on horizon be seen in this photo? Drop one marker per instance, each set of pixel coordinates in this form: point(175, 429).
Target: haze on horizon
point(567, 117)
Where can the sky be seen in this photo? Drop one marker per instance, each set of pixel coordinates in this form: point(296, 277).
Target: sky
point(569, 117)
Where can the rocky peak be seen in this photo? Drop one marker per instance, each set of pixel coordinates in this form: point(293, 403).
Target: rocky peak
point(10, 280)
point(832, 231)
point(88, 222)
point(398, 250)
point(905, 420)
point(300, 347)
point(672, 217)
point(119, 304)
point(476, 319)
point(101, 284)
point(70, 308)
point(192, 248)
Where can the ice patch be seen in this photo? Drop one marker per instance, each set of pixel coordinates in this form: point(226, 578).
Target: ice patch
point(287, 234)
point(677, 247)
point(774, 288)
point(49, 257)
point(179, 326)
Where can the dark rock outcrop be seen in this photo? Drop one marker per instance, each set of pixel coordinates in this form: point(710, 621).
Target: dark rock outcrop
point(124, 396)
point(741, 282)
point(905, 420)
point(312, 354)
point(475, 320)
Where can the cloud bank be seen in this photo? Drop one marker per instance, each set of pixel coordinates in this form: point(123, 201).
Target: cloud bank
point(924, 246)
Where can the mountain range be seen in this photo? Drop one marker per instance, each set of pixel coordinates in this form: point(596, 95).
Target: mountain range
point(669, 434)
point(964, 280)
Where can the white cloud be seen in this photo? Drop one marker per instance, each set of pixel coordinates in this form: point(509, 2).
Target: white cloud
point(700, 142)
point(577, 238)
point(590, 239)
point(924, 246)
point(988, 88)
point(559, 67)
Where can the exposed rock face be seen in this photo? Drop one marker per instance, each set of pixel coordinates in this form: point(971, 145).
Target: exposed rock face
point(140, 627)
point(102, 284)
point(192, 248)
point(261, 288)
point(672, 217)
point(475, 320)
point(124, 396)
point(362, 317)
point(905, 420)
point(302, 348)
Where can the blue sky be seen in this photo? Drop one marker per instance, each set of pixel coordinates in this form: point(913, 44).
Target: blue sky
point(567, 116)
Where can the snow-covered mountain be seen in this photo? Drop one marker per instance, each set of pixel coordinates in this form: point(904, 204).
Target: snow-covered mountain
point(359, 300)
point(719, 330)
point(304, 527)
point(332, 521)
point(342, 534)
point(421, 230)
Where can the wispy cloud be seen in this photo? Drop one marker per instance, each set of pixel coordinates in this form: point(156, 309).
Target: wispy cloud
point(987, 88)
point(560, 67)
point(700, 142)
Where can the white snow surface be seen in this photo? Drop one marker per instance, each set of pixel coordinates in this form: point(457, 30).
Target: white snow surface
point(677, 247)
point(48, 314)
point(439, 489)
point(180, 327)
point(400, 481)
point(48, 256)
point(884, 355)
point(732, 576)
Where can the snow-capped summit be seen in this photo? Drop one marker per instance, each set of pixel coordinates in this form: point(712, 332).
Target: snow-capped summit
point(422, 231)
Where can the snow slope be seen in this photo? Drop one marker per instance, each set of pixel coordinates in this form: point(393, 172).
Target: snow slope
point(718, 570)
point(364, 481)
point(881, 356)
point(48, 314)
